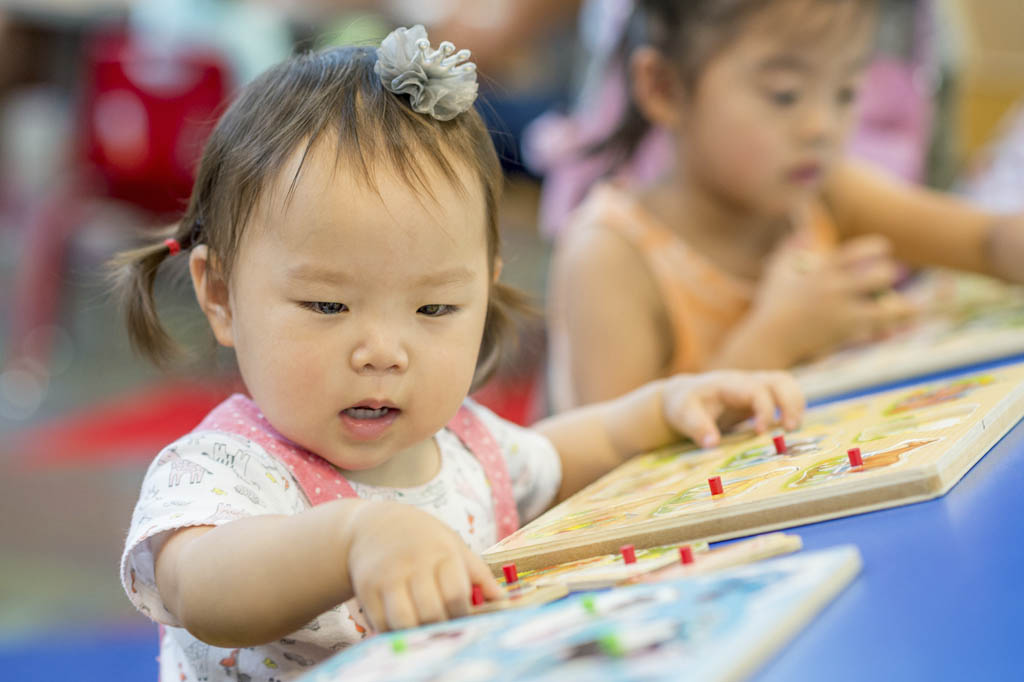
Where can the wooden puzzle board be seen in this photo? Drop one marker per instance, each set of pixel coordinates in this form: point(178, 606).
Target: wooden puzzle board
point(657, 563)
point(972, 319)
point(711, 628)
point(916, 443)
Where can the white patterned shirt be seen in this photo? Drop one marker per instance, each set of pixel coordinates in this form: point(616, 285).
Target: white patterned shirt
point(208, 478)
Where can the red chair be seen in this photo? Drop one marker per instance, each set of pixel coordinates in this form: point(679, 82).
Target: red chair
point(144, 116)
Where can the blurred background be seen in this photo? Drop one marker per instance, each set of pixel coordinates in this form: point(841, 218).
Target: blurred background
point(104, 107)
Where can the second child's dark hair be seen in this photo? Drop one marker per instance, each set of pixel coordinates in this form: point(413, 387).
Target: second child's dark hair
point(330, 94)
point(688, 32)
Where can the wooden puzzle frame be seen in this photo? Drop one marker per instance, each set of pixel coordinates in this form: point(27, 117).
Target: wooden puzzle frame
point(917, 443)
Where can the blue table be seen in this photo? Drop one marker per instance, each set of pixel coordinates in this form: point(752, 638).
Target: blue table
point(941, 594)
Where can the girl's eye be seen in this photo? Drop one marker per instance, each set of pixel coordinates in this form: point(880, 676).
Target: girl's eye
point(847, 95)
point(784, 98)
point(436, 309)
point(325, 307)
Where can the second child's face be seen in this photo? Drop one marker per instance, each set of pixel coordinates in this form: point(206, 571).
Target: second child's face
point(357, 317)
point(770, 113)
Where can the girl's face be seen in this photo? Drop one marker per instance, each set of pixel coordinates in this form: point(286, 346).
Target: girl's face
point(357, 317)
point(768, 116)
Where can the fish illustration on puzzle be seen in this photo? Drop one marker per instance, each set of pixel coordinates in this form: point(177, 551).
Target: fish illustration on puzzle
point(592, 519)
point(732, 488)
point(934, 420)
point(796, 445)
point(649, 474)
point(838, 466)
point(930, 396)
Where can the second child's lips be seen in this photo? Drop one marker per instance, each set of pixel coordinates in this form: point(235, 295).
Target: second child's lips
point(808, 172)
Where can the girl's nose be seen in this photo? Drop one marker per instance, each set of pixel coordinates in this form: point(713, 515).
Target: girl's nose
point(379, 352)
point(820, 124)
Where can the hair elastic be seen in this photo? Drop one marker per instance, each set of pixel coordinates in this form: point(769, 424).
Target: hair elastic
point(172, 245)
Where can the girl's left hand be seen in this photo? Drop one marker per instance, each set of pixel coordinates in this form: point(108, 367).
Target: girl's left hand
point(699, 406)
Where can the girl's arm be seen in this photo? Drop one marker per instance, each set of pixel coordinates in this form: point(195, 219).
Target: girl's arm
point(257, 579)
point(605, 303)
point(595, 439)
point(925, 227)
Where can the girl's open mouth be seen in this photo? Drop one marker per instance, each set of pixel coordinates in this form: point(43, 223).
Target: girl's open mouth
point(368, 412)
point(362, 422)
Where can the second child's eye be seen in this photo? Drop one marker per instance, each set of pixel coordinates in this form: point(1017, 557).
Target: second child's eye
point(847, 95)
point(784, 98)
point(325, 307)
point(436, 309)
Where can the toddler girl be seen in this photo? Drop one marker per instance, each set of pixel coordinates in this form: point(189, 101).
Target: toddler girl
point(342, 238)
point(763, 246)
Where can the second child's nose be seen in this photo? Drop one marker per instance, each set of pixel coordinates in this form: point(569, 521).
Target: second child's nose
point(819, 125)
point(379, 353)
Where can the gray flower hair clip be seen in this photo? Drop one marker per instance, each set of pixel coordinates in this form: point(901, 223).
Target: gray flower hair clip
point(439, 82)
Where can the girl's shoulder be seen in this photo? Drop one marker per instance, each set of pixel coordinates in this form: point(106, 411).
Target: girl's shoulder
point(614, 207)
point(206, 454)
point(609, 234)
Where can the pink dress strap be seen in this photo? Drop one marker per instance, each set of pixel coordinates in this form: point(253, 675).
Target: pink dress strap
point(479, 440)
point(319, 480)
point(322, 482)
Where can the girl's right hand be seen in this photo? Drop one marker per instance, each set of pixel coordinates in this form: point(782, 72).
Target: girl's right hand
point(811, 302)
point(407, 568)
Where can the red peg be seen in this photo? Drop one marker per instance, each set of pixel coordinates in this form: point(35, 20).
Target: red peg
point(478, 595)
point(628, 554)
point(715, 483)
point(686, 554)
point(780, 445)
point(855, 459)
point(511, 576)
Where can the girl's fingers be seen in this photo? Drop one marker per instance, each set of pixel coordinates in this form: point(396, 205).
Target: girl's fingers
point(426, 598)
point(480, 575)
point(746, 392)
point(875, 277)
point(373, 609)
point(789, 398)
point(763, 406)
point(884, 313)
point(855, 252)
point(398, 608)
point(695, 420)
point(453, 582)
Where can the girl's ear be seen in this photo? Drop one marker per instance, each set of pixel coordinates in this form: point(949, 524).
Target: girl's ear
point(498, 264)
point(656, 87)
point(212, 293)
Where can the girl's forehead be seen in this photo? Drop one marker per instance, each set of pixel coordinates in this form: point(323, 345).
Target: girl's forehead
point(825, 35)
point(320, 191)
point(815, 25)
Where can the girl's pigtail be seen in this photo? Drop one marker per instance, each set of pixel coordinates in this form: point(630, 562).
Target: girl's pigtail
point(133, 275)
point(624, 140)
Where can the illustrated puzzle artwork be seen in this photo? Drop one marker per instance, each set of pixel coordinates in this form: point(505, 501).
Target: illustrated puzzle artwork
point(915, 443)
point(709, 628)
point(969, 319)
